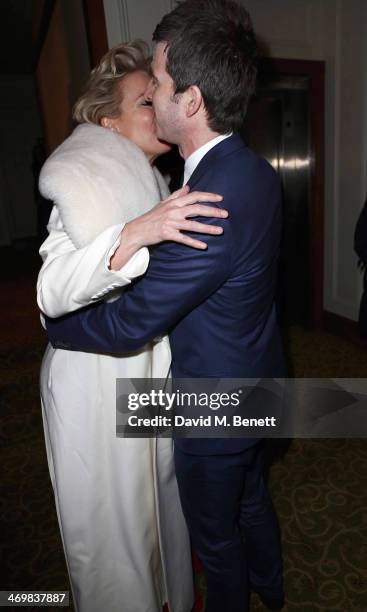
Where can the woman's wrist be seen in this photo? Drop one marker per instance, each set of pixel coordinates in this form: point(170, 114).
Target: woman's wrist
point(130, 243)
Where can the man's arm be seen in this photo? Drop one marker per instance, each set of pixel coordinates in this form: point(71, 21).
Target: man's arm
point(178, 279)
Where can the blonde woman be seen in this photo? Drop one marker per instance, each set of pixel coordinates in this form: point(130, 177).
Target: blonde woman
point(123, 532)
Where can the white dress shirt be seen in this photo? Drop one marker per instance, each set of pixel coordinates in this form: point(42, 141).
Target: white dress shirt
point(193, 160)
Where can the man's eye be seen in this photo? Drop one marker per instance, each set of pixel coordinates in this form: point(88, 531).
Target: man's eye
point(146, 103)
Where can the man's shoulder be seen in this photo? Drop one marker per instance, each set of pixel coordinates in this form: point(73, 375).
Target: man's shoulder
point(237, 169)
point(248, 160)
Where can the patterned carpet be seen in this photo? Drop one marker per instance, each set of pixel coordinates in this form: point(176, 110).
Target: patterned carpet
point(319, 486)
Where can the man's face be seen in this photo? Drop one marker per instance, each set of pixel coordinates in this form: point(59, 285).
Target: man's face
point(167, 107)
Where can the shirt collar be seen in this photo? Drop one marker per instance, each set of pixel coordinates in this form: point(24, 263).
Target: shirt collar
point(193, 160)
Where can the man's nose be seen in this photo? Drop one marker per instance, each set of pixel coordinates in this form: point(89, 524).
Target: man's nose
point(149, 91)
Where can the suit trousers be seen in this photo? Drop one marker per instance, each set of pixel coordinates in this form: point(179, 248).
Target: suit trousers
point(232, 524)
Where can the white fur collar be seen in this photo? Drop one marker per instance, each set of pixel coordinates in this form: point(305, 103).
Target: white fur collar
point(97, 178)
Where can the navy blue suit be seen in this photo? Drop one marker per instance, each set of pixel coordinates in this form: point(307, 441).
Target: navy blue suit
point(218, 306)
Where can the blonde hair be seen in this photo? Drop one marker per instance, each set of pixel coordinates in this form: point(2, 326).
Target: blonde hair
point(102, 96)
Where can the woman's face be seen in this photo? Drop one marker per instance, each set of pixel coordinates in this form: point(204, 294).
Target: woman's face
point(136, 121)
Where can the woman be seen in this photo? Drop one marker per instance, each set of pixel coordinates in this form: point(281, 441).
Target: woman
point(121, 524)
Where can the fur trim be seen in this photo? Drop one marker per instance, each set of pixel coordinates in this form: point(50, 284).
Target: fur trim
point(97, 178)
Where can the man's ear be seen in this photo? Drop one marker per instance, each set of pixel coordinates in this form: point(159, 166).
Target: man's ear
point(194, 100)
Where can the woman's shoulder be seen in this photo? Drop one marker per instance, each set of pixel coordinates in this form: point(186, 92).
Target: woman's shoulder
point(97, 179)
point(162, 184)
point(90, 142)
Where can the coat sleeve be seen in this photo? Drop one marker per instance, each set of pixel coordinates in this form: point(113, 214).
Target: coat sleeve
point(360, 236)
point(178, 279)
point(71, 278)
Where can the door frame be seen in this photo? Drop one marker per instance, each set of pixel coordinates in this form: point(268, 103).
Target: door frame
point(315, 71)
point(95, 23)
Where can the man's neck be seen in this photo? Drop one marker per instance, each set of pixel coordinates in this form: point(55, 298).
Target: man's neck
point(194, 141)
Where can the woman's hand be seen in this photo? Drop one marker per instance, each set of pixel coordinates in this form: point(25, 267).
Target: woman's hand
point(166, 221)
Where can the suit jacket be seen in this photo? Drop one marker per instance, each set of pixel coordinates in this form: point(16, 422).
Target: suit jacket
point(217, 304)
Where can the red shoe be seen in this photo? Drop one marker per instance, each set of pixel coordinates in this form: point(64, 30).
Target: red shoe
point(198, 602)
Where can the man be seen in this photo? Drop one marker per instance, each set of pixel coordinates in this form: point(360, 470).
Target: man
point(217, 304)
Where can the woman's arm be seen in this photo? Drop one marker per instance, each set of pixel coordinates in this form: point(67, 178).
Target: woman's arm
point(71, 278)
point(167, 220)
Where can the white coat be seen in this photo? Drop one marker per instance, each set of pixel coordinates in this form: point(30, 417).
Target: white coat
point(123, 532)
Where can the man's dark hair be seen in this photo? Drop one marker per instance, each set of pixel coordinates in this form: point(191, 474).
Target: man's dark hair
point(211, 44)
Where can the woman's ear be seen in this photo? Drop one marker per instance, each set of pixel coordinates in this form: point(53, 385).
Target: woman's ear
point(194, 100)
point(109, 123)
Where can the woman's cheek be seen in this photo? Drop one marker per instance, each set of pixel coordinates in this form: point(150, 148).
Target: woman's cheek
point(150, 127)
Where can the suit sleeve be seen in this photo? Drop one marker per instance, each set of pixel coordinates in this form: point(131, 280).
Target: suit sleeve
point(71, 278)
point(178, 279)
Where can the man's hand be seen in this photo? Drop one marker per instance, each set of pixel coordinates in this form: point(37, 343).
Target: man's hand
point(166, 221)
